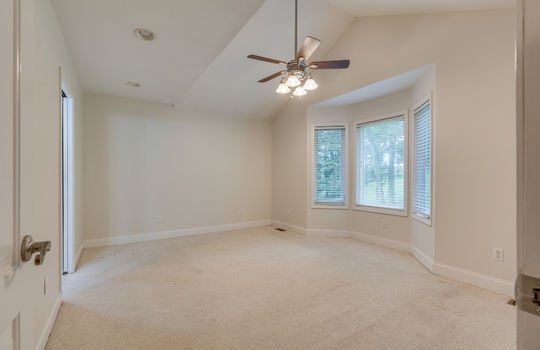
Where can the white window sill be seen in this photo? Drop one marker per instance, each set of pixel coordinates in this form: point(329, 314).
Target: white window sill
point(329, 206)
point(380, 210)
point(424, 220)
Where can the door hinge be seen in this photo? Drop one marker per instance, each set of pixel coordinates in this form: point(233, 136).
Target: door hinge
point(527, 291)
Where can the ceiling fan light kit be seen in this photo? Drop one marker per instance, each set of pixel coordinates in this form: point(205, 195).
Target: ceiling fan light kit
point(299, 91)
point(283, 88)
point(293, 81)
point(296, 74)
point(310, 84)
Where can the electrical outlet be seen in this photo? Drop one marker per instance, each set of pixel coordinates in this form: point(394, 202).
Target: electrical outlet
point(498, 254)
point(289, 212)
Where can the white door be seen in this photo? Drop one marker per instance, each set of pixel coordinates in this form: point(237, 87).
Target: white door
point(22, 284)
point(528, 135)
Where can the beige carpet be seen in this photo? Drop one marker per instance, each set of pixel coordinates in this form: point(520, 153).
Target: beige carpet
point(264, 289)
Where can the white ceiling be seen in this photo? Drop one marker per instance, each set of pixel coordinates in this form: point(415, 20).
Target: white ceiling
point(363, 8)
point(379, 89)
point(199, 56)
point(107, 54)
point(229, 85)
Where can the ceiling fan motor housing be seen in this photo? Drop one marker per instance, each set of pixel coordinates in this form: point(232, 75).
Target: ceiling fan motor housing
point(298, 68)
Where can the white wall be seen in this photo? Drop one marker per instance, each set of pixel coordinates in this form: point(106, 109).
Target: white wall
point(145, 160)
point(475, 134)
point(289, 171)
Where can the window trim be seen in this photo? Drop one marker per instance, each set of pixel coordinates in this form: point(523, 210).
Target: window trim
point(381, 210)
point(346, 161)
point(418, 217)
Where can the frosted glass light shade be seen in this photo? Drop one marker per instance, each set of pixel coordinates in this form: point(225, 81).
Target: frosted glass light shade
point(299, 91)
point(283, 89)
point(310, 84)
point(293, 81)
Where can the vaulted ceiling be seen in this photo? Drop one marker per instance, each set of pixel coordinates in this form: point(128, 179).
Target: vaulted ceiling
point(362, 8)
point(199, 55)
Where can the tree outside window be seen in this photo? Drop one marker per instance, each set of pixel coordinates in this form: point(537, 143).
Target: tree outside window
point(329, 154)
point(381, 163)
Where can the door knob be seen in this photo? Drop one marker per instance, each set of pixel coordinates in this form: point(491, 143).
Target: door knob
point(29, 247)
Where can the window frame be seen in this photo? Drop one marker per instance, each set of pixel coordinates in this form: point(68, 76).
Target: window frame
point(346, 161)
point(381, 210)
point(422, 218)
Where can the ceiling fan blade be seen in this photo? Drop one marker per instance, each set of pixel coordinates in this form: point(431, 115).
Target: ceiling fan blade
point(266, 59)
point(308, 48)
point(273, 76)
point(338, 64)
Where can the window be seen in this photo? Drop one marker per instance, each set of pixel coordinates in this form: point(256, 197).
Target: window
point(421, 198)
point(329, 161)
point(381, 165)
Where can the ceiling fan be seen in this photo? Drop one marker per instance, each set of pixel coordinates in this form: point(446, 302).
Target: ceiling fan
point(297, 72)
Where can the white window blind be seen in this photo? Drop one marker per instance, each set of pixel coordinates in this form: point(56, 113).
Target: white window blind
point(329, 163)
point(381, 164)
point(422, 161)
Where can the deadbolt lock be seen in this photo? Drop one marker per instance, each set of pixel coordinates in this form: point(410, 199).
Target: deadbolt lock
point(29, 247)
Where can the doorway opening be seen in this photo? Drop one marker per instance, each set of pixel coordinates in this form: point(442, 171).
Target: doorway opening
point(67, 184)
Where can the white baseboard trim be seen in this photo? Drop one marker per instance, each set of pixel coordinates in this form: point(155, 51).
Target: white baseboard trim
point(290, 227)
point(389, 243)
point(328, 233)
point(476, 279)
point(422, 258)
point(152, 236)
point(44, 337)
point(77, 258)
point(470, 277)
point(385, 242)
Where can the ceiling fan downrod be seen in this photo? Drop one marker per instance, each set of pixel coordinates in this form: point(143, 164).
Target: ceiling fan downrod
point(295, 27)
point(297, 72)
